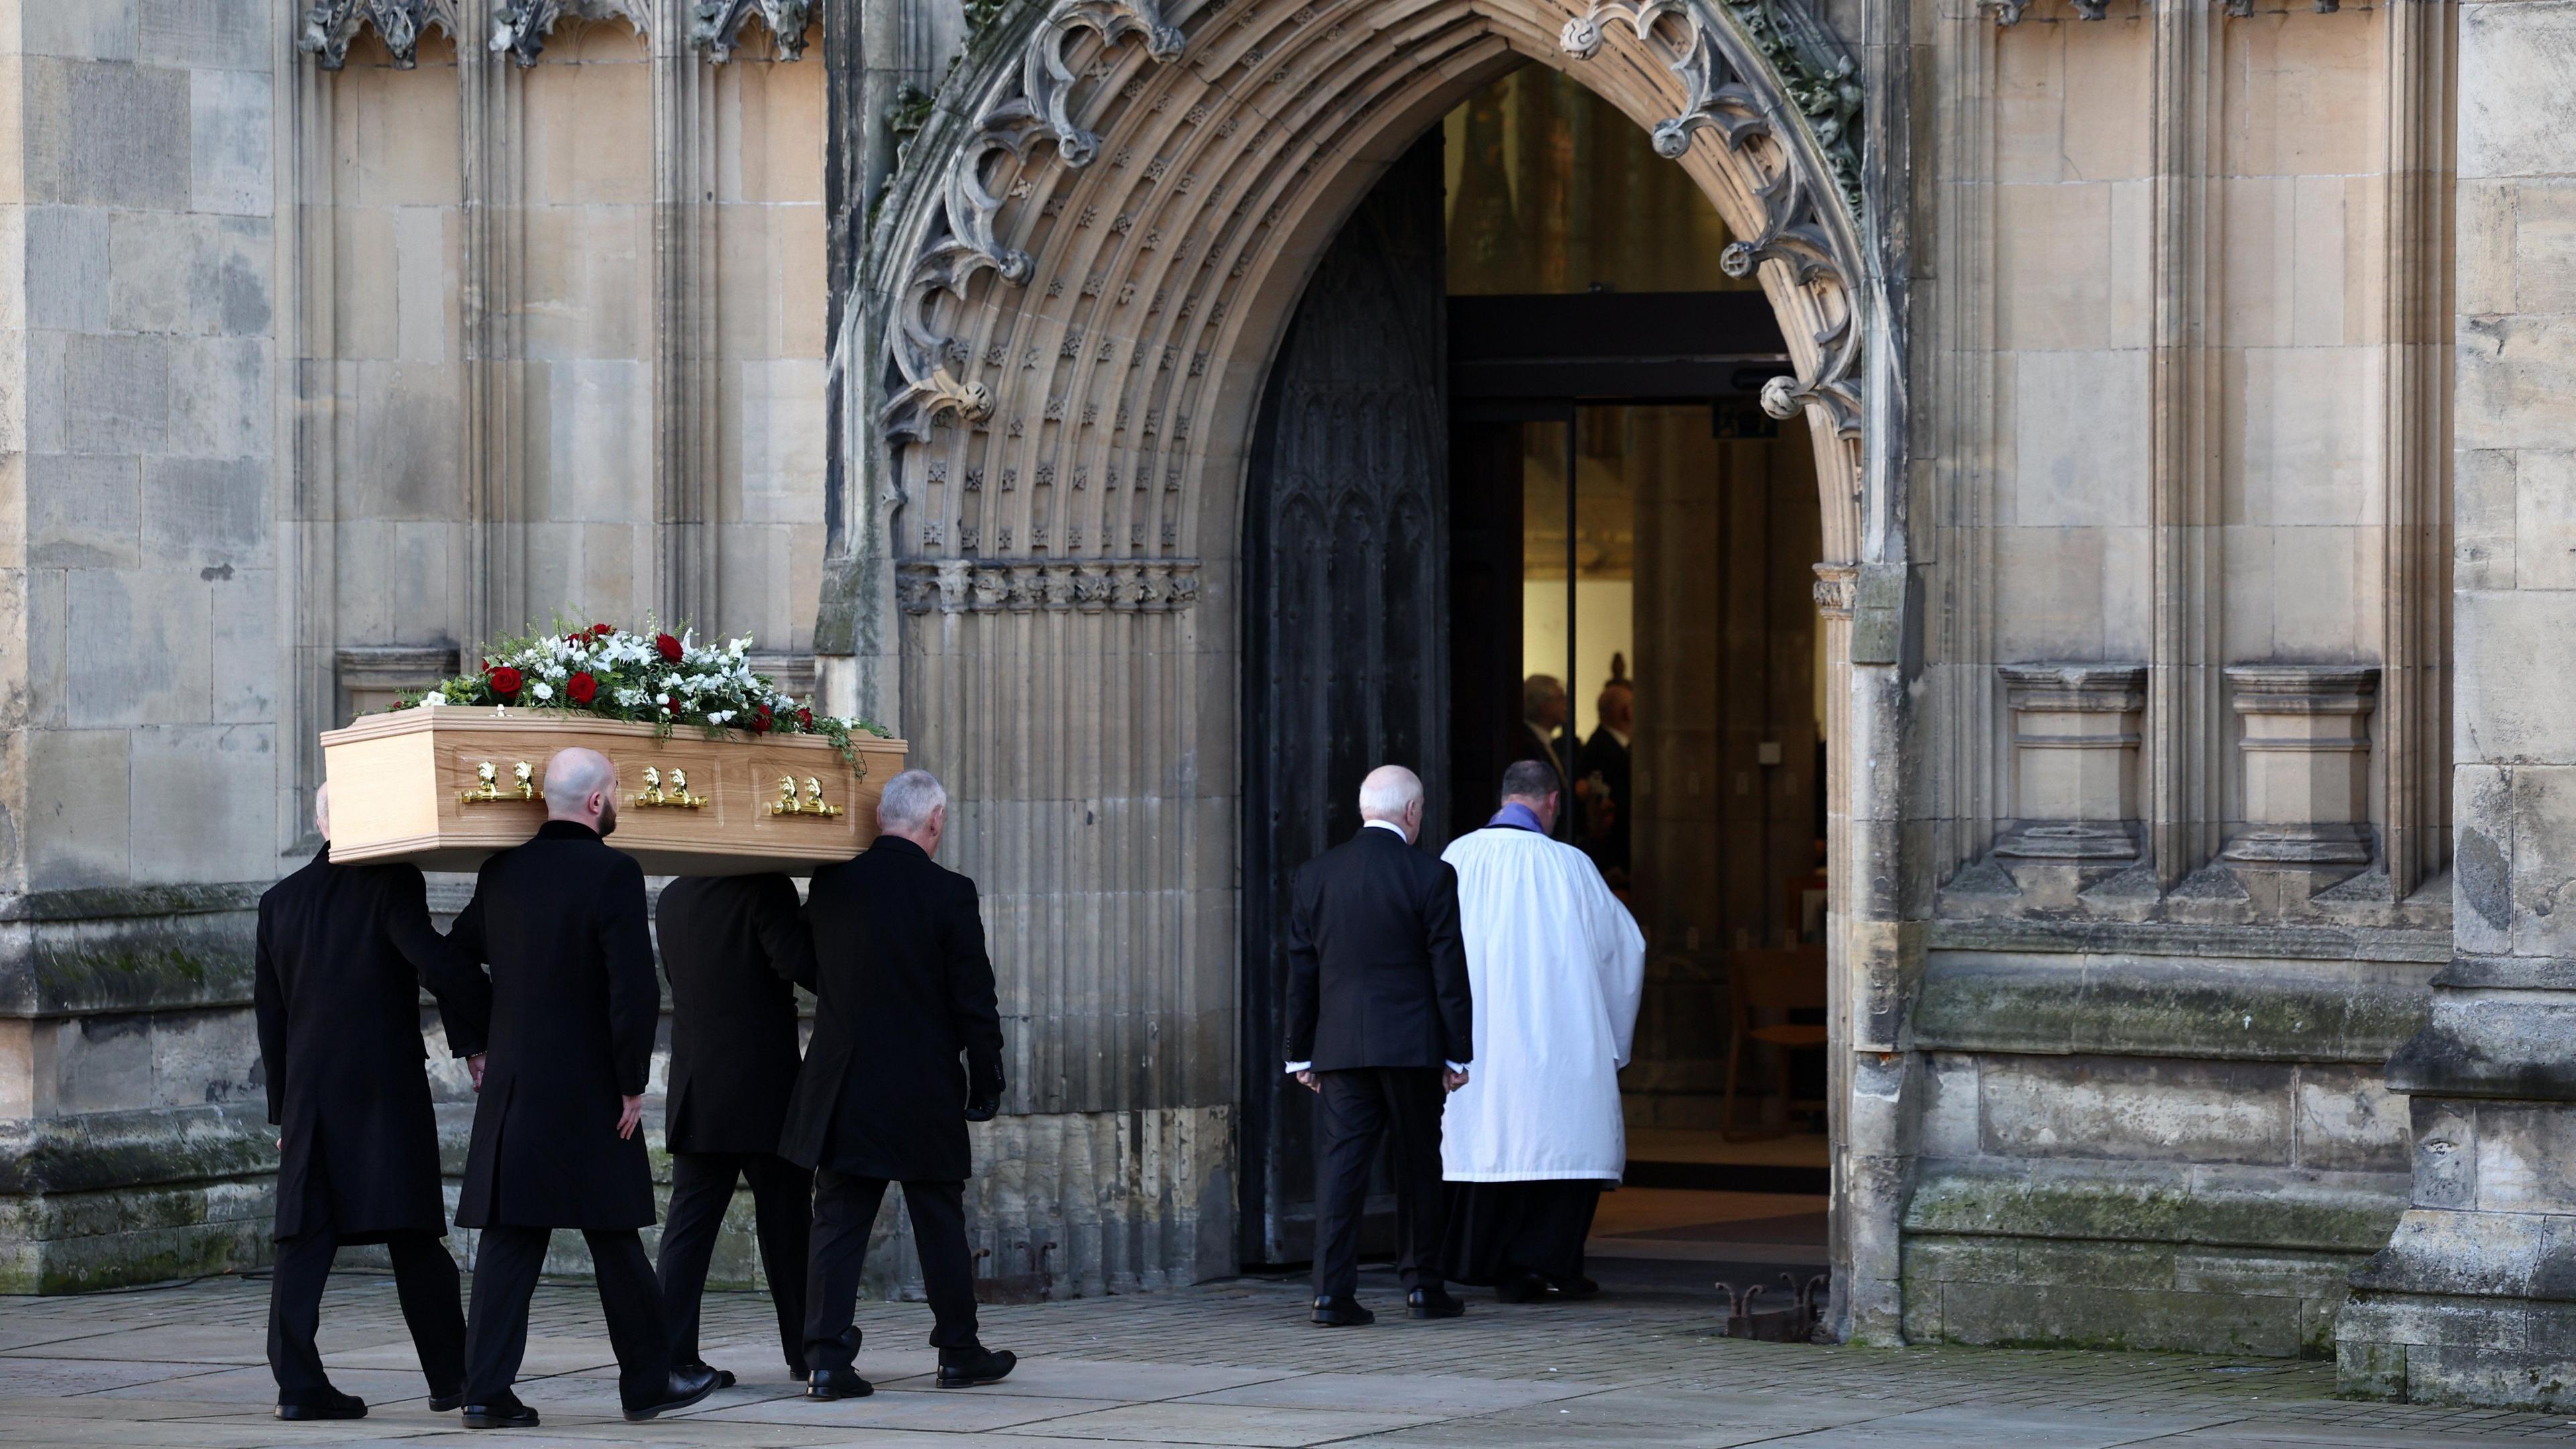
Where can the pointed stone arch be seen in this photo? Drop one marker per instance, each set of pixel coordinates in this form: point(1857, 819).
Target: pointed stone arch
point(1088, 255)
point(1049, 375)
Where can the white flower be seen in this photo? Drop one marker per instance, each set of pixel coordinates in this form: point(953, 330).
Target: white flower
point(542, 690)
point(720, 716)
point(432, 698)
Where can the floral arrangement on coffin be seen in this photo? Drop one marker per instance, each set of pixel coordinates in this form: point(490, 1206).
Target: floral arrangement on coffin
point(649, 677)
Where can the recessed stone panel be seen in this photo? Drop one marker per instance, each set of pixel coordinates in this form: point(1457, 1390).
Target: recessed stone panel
point(2109, 1107)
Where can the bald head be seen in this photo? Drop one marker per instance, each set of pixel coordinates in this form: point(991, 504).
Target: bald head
point(581, 786)
point(1393, 794)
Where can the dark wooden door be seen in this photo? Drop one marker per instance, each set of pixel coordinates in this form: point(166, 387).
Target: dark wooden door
point(1346, 659)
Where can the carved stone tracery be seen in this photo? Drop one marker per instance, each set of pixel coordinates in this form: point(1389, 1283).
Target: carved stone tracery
point(991, 585)
point(330, 25)
point(520, 27)
point(717, 25)
point(1068, 312)
point(1034, 103)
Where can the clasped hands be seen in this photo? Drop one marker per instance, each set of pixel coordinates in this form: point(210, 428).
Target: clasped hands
point(1449, 1081)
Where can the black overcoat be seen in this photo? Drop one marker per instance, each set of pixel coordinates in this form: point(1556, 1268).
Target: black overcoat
point(574, 1009)
point(344, 951)
point(902, 986)
point(732, 946)
point(1377, 972)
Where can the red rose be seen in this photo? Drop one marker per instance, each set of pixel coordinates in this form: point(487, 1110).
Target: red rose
point(600, 631)
point(667, 647)
point(582, 688)
point(505, 681)
point(804, 719)
point(577, 640)
point(760, 720)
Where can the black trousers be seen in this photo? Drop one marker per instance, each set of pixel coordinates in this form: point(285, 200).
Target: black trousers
point(506, 1263)
point(424, 1280)
point(1352, 1111)
point(782, 1205)
point(845, 1208)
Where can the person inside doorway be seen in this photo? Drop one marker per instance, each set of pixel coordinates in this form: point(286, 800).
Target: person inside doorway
point(1544, 707)
point(1603, 772)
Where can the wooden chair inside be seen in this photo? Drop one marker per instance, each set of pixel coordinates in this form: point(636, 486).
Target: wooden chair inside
point(1767, 986)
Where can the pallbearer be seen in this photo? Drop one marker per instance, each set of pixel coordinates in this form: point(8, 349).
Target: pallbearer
point(902, 990)
point(1557, 964)
point(558, 1140)
point(344, 951)
point(733, 946)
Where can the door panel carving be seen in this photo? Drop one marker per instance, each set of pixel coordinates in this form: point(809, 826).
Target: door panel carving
point(1346, 659)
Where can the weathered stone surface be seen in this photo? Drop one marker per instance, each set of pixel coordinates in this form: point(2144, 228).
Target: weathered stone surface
point(2129, 1202)
point(2147, 1006)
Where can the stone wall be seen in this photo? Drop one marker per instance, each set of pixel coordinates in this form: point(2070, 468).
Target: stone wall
point(2472, 1298)
point(141, 667)
point(2183, 720)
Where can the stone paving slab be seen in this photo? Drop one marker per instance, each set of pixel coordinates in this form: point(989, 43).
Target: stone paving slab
point(1231, 1364)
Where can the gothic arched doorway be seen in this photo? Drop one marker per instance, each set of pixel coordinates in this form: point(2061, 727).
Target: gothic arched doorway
point(1073, 300)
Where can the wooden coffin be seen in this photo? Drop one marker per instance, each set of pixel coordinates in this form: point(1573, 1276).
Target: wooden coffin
point(414, 785)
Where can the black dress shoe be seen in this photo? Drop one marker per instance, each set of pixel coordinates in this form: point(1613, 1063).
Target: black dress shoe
point(961, 1368)
point(329, 1404)
point(837, 1384)
point(1433, 1303)
point(724, 1377)
point(447, 1403)
point(688, 1386)
point(1342, 1313)
point(1575, 1287)
point(1520, 1288)
point(503, 1412)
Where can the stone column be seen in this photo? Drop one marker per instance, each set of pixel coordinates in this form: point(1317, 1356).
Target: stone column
point(2474, 1299)
point(2075, 761)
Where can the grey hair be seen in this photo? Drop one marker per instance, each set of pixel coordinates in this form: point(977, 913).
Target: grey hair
point(1528, 780)
point(909, 799)
point(1536, 691)
point(573, 776)
point(322, 809)
point(1388, 791)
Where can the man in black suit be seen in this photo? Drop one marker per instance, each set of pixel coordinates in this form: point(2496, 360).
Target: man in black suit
point(733, 946)
point(1604, 773)
point(344, 951)
point(1380, 1024)
point(1543, 735)
point(902, 986)
point(558, 1139)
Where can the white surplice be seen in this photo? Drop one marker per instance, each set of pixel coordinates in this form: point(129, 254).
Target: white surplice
point(1556, 963)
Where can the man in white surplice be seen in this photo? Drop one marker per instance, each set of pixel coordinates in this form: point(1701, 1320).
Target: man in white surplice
point(1556, 964)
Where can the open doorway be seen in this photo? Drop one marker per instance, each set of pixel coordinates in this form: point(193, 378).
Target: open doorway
point(1511, 443)
point(1631, 540)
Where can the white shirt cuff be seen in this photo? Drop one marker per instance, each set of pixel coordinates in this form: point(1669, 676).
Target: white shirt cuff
point(1295, 1067)
point(1459, 1067)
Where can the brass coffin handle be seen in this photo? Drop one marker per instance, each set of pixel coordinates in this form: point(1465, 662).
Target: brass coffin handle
point(487, 789)
point(810, 803)
point(674, 795)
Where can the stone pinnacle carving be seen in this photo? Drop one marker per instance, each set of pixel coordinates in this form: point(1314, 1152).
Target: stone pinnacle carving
point(330, 25)
point(1035, 103)
point(717, 25)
